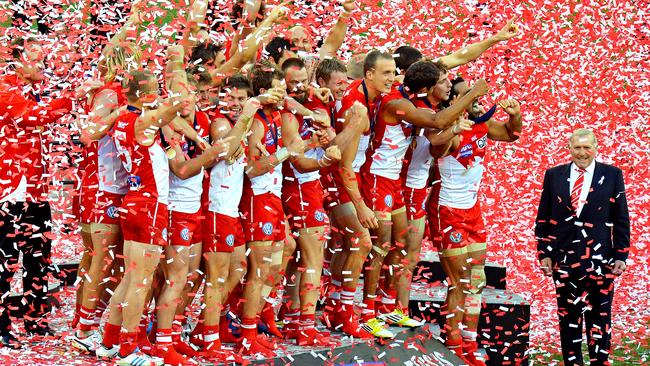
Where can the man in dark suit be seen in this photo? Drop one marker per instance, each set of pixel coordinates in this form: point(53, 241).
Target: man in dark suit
point(583, 235)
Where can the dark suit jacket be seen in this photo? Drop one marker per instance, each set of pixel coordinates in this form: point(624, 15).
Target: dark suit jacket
point(599, 236)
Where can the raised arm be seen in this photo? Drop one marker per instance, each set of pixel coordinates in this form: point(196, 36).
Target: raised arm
point(235, 135)
point(195, 19)
point(336, 36)
point(147, 124)
point(251, 44)
point(404, 110)
point(475, 50)
point(510, 130)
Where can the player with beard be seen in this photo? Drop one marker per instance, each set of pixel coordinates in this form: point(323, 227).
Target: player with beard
point(303, 203)
point(456, 213)
point(261, 206)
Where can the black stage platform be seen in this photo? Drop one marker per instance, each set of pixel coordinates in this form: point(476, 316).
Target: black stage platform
point(503, 328)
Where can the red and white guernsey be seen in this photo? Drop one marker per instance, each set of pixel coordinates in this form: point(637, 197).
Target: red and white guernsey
point(461, 171)
point(418, 157)
point(185, 194)
point(272, 141)
point(147, 166)
point(352, 94)
point(226, 184)
point(305, 129)
point(102, 167)
point(388, 147)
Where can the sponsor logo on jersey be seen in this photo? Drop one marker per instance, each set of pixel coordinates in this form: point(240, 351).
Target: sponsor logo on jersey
point(267, 228)
point(455, 237)
point(112, 212)
point(319, 215)
point(230, 240)
point(388, 200)
point(465, 151)
point(482, 142)
point(133, 181)
point(185, 234)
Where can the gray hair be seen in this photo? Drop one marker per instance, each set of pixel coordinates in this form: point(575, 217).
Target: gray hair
point(583, 132)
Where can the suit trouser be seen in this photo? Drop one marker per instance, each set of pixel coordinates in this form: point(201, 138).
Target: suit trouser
point(24, 228)
point(588, 298)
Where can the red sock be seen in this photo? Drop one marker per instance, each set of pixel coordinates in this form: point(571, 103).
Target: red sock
point(249, 328)
point(86, 319)
point(388, 301)
point(347, 302)
point(211, 338)
point(368, 311)
point(164, 337)
point(75, 320)
point(307, 321)
point(128, 343)
point(111, 335)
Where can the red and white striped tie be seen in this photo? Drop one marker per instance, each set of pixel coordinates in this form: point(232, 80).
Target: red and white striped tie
point(577, 189)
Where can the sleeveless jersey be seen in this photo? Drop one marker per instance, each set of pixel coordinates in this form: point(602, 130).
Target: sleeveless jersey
point(101, 165)
point(147, 166)
point(352, 94)
point(415, 173)
point(306, 130)
point(389, 143)
point(461, 171)
point(226, 184)
point(185, 194)
point(272, 141)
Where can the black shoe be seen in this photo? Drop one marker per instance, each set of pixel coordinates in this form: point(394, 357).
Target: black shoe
point(8, 340)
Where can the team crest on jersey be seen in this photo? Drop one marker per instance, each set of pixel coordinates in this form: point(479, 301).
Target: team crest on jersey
point(319, 216)
point(268, 139)
point(230, 240)
point(482, 142)
point(388, 200)
point(133, 181)
point(455, 237)
point(185, 234)
point(111, 212)
point(465, 151)
point(267, 228)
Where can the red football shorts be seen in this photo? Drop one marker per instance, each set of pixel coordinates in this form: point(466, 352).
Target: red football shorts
point(94, 206)
point(183, 228)
point(382, 194)
point(144, 220)
point(459, 227)
point(262, 217)
point(416, 202)
point(222, 233)
point(303, 204)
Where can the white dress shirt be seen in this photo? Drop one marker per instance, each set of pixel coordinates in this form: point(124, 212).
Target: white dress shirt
point(586, 185)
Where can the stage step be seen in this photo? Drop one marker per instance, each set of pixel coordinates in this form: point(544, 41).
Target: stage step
point(503, 326)
point(409, 347)
point(429, 270)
